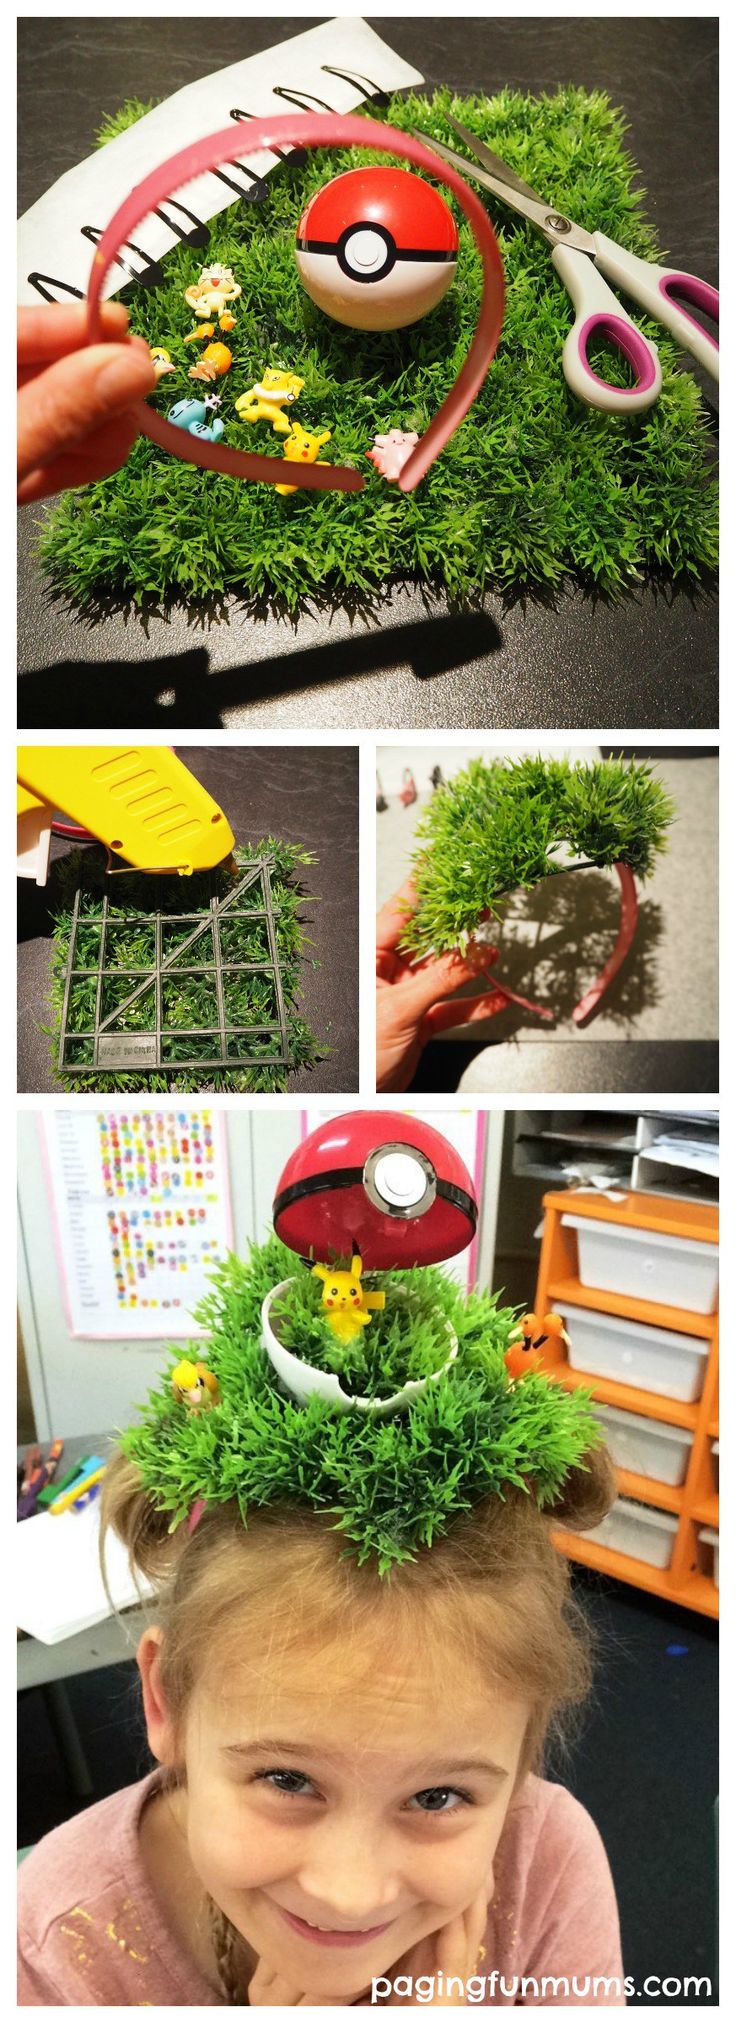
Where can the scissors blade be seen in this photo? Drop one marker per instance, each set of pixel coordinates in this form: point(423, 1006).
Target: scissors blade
point(497, 167)
point(556, 229)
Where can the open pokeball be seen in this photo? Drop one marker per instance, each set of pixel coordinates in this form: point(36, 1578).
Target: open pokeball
point(377, 248)
point(381, 1183)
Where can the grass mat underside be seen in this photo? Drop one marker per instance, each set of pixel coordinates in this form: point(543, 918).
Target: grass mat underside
point(188, 1000)
point(533, 489)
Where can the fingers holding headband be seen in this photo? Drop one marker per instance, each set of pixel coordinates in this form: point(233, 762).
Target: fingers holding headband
point(309, 130)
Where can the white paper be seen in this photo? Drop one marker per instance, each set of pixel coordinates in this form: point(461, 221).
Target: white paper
point(141, 1209)
point(59, 1584)
point(51, 235)
point(694, 1153)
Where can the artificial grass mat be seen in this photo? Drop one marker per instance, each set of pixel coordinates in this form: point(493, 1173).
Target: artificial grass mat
point(533, 489)
point(188, 1001)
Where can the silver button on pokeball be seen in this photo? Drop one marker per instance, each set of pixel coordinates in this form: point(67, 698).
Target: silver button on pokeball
point(400, 1180)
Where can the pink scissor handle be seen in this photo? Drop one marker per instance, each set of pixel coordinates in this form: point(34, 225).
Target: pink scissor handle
point(656, 288)
point(702, 297)
point(309, 130)
point(599, 313)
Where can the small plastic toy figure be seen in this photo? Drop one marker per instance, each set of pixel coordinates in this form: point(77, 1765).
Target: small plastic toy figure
point(390, 452)
point(161, 361)
point(214, 362)
point(215, 288)
point(201, 333)
point(301, 447)
point(264, 401)
point(206, 330)
point(349, 1308)
point(192, 415)
point(195, 1386)
point(524, 1356)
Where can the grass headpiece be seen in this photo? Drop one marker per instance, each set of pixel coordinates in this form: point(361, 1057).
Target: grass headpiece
point(503, 825)
point(394, 1481)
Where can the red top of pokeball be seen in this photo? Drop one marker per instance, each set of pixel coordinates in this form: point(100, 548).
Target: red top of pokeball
point(415, 214)
point(381, 1183)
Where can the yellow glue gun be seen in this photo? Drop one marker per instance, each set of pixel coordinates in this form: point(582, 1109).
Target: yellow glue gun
point(139, 800)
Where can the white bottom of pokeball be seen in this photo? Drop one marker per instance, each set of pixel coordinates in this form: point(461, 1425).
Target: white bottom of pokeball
point(305, 1381)
point(402, 297)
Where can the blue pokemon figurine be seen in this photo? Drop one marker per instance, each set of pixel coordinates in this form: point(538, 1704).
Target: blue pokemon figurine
point(192, 416)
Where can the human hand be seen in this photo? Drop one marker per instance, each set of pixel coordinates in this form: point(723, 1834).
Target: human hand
point(449, 1955)
point(74, 398)
point(410, 1006)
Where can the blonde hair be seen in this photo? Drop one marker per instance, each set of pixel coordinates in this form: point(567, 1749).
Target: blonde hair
point(494, 1592)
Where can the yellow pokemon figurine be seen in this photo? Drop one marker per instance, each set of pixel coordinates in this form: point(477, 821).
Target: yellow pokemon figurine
point(161, 361)
point(264, 401)
point(211, 293)
point(195, 1386)
point(301, 447)
point(349, 1308)
point(215, 361)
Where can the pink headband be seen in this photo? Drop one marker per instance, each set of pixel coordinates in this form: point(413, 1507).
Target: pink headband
point(309, 130)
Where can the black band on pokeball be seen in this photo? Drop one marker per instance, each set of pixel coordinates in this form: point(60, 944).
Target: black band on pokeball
point(337, 249)
point(352, 1176)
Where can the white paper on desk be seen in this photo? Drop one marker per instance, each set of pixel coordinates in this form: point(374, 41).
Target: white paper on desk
point(59, 1584)
point(57, 237)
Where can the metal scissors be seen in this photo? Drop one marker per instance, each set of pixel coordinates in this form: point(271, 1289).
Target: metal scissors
point(581, 259)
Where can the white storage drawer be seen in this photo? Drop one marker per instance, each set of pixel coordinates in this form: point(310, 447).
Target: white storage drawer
point(709, 1537)
point(630, 1352)
point(676, 1271)
point(638, 1531)
point(646, 1446)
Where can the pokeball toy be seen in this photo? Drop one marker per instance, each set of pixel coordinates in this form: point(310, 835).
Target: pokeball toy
point(306, 130)
point(382, 1184)
point(377, 248)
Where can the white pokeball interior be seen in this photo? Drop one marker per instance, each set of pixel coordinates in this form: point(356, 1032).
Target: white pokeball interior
point(400, 1180)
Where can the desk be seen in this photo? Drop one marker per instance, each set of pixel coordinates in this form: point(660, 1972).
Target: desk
point(648, 660)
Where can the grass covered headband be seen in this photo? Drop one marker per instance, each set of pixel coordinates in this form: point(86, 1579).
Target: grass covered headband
point(503, 825)
point(229, 1428)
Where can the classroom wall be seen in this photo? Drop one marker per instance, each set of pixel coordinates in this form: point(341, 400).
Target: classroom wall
point(80, 1386)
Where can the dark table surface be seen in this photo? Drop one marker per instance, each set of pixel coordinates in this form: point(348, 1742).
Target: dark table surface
point(649, 660)
point(308, 797)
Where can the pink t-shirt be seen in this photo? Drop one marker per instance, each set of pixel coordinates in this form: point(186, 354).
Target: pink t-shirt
point(93, 1933)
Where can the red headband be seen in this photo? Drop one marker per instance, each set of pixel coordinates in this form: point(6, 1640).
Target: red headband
point(309, 130)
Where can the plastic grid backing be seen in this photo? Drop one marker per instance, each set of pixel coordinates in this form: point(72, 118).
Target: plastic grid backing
point(146, 1048)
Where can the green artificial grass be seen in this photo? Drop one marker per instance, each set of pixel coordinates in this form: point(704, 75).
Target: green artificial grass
point(533, 489)
point(393, 1484)
point(503, 825)
point(187, 1000)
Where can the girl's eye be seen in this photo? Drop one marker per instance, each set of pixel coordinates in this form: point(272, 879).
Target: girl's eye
point(289, 1780)
point(442, 1791)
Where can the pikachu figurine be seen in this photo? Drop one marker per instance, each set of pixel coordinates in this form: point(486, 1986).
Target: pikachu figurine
point(195, 1386)
point(302, 448)
point(349, 1308)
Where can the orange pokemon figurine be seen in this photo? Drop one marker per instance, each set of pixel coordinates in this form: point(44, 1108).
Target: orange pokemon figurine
point(525, 1356)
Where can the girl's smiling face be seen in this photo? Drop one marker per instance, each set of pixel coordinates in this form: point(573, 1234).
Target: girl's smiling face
point(372, 1809)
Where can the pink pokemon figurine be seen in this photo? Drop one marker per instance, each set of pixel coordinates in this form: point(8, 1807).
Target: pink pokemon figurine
point(390, 452)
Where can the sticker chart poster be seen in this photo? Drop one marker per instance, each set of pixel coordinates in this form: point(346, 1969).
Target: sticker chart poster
point(141, 1208)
